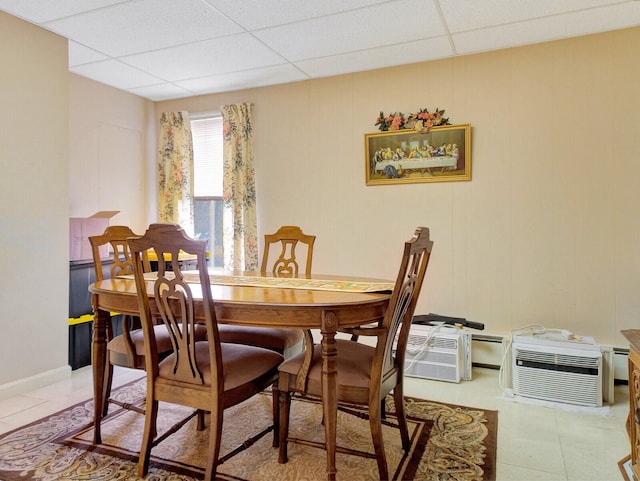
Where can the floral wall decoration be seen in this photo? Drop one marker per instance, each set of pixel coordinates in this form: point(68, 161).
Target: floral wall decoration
point(421, 121)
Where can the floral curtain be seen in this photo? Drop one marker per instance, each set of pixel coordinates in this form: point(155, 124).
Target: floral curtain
point(175, 170)
point(240, 238)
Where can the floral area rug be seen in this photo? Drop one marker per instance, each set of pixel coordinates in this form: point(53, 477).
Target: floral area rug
point(452, 443)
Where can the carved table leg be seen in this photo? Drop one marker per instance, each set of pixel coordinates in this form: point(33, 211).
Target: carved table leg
point(329, 388)
point(99, 360)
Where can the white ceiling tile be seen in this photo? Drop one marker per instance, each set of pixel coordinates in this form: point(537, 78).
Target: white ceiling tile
point(255, 14)
point(44, 10)
point(164, 91)
point(549, 28)
point(116, 74)
point(387, 24)
point(412, 52)
point(464, 15)
point(79, 54)
point(221, 45)
point(261, 77)
point(144, 25)
point(210, 57)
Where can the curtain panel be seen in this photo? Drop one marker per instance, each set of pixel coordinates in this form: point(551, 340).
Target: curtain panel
point(175, 171)
point(240, 237)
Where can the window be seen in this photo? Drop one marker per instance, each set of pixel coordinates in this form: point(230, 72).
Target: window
point(207, 177)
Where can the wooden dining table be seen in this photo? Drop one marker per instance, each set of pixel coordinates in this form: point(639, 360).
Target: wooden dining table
point(307, 304)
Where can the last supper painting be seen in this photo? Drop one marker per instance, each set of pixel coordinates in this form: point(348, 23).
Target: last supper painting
point(442, 154)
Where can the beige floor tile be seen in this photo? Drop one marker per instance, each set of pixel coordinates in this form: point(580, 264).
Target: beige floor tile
point(13, 406)
point(508, 472)
point(20, 410)
point(582, 440)
point(529, 440)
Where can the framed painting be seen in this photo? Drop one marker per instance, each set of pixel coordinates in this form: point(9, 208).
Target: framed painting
point(443, 154)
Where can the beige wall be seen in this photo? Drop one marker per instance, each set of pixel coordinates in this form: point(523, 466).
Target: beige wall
point(547, 230)
point(34, 198)
point(112, 134)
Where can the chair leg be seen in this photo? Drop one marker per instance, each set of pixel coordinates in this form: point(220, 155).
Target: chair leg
point(285, 407)
point(200, 425)
point(150, 417)
point(106, 387)
point(275, 396)
point(215, 435)
point(398, 400)
point(376, 434)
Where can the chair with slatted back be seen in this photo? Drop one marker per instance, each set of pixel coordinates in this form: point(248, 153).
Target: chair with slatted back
point(286, 263)
point(204, 375)
point(278, 263)
point(366, 374)
point(126, 349)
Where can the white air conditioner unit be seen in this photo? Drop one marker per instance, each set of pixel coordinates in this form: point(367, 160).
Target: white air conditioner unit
point(442, 353)
point(552, 367)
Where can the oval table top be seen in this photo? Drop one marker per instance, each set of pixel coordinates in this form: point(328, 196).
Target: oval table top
point(275, 306)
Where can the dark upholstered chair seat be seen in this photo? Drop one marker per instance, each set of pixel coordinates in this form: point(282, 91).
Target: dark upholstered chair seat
point(119, 355)
point(354, 366)
point(285, 341)
point(241, 363)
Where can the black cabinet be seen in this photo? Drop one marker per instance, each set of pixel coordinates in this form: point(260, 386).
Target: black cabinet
point(81, 275)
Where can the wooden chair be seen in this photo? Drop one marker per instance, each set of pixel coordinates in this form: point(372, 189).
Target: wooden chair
point(366, 374)
point(126, 349)
point(285, 264)
point(205, 375)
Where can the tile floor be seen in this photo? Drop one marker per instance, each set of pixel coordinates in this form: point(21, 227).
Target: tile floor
point(534, 442)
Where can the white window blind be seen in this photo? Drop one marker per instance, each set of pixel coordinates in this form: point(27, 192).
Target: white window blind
point(207, 156)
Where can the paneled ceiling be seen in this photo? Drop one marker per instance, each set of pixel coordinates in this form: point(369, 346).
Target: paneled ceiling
point(165, 49)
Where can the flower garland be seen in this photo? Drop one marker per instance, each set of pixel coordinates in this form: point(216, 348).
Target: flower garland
point(421, 121)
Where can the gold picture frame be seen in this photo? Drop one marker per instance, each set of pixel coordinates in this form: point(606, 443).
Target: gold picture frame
point(442, 154)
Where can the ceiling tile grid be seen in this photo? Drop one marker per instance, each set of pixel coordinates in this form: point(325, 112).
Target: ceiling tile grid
point(163, 49)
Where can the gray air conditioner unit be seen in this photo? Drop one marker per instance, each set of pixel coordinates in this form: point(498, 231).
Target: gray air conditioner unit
point(442, 353)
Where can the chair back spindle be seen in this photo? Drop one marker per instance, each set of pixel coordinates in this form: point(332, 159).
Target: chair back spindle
point(402, 305)
point(173, 298)
point(116, 236)
point(286, 264)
